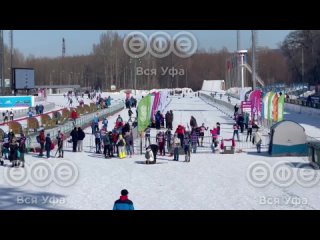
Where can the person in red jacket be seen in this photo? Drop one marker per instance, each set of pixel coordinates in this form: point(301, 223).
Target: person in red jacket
point(74, 116)
point(42, 140)
point(180, 133)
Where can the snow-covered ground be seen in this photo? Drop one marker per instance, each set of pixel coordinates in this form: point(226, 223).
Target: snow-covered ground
point(209, 181)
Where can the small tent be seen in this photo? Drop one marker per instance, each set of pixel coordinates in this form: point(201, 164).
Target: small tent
point(288, 138)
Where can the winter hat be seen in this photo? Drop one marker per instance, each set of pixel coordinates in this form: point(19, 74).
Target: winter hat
point(124, 192)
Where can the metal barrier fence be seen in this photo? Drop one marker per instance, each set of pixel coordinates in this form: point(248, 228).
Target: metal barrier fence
point(304, 103)
point(243, 144)
point(83, 122)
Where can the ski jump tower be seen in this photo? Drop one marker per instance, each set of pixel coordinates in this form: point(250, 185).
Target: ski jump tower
point(244, 65)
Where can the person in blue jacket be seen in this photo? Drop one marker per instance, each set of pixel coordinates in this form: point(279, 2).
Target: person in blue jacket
point(123, 203)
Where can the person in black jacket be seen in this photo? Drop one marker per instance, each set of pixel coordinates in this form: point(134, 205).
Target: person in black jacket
point(48, 145)
point(13, 152)
point(11, 135)
point(81, 136)
point(74, 137)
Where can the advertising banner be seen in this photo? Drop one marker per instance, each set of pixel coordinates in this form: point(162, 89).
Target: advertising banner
point(16, 101)
point(144, 113)
point(280, 108)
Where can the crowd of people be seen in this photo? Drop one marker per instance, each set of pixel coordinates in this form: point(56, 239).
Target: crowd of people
point(7, 116)
point(13, 149)
point(187, 139)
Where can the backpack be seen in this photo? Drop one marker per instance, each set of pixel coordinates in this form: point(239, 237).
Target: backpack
point(38, 139)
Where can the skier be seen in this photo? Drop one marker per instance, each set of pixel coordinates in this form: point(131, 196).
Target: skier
point(123, 203)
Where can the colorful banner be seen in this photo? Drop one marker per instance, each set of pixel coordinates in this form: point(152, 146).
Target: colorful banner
point(155, 104)
point(270, 98)
point(162, 101)
point(280, 108)
point(246, 107)
point(275, 108)
point(144, 113)
point(16, 101)
point(255, 99)
point(265, 105)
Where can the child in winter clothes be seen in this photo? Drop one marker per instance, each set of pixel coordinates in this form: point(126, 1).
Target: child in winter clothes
point(149, 156)
point(160, 140)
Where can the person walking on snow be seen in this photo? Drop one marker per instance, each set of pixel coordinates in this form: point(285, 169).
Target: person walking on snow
point(81, 136)
point(249, 130)
point(236, 131)
point(48, 145)
point(257, 139)
point(176, 145)
point(201, 133)
point(60, 139)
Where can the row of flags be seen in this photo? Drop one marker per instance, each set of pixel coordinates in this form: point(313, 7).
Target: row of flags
point(273, 106)
point(148, 106)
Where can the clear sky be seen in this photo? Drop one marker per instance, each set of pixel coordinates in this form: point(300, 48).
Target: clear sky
point(48, 43)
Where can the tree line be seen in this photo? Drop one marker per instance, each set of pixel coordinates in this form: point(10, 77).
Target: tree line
point(108, 64)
